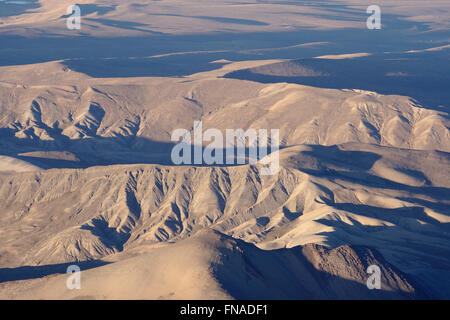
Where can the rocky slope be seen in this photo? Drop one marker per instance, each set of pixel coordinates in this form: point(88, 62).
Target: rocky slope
point(210, 265)
point(392, 200)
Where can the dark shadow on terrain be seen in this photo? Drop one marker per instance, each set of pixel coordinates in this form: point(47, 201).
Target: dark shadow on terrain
point(431, 259)
point(14, 9)
point(259, 270)
point(90, 151)
point(97, 151)
point(439, 207)
point(90, 55)
point(218, 19)
point(34, 272)
point(87, 9)
point(47, 163)
point(106, 234)
point(373, 181)
point(332, 155)
point(422, 76)
point(352, 166)
point(143, 67)
point(407, 224)
point(392, 215)
point(126, 25)
point(291, 216)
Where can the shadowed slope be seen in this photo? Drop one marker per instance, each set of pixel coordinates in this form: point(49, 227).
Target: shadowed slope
point(389, 199)
point(210, 265)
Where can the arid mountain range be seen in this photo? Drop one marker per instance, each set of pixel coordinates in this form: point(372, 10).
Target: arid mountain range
point(86, 175)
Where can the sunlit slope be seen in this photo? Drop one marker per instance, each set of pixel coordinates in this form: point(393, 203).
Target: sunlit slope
point(140, 17)
point(85, 116)
point(393, 200)
point(210, 265)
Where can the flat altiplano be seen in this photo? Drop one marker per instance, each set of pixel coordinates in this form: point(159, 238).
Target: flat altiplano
point(315, 147)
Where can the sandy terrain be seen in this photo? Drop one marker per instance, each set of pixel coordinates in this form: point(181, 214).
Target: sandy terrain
point(86, 178)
